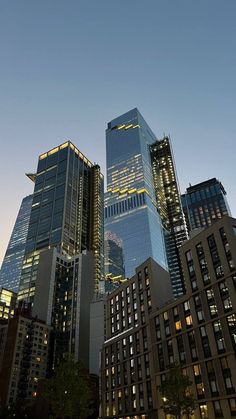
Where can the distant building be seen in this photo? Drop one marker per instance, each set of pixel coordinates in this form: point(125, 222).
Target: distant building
point(67, 213)
point(204, 203)
point(169, 205)
point(145, 337)
point(7, 303)
point(24, 358)
point(12, 263)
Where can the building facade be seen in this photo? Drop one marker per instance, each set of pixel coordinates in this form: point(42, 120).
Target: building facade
point(130, 203)
point(169, 205)
point(64, 291)
point(7, 303)
point(127, 379)
point(114, 257)
point(12, 263)
point(204, 203)
point(24, 358)
point(67, 213)
point(197, 330)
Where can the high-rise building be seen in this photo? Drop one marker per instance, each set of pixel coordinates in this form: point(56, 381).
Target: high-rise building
point(11, 266)
point(64, 291)
point(204, 203)
point(130, 203)
point(67, 212)
point(169, 205)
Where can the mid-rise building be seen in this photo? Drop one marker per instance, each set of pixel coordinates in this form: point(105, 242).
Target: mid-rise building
point(24, 358)
point(127, 375)
point(169, 205)
point(12, 263)
point(67, 213)
point(130, 203)
point(198, 330)
point(204, 203)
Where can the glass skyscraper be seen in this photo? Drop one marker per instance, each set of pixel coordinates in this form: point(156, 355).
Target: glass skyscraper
point(170, 208)
point(204, 203)
point(67, 212)
point(11, 266)
point(130, 203)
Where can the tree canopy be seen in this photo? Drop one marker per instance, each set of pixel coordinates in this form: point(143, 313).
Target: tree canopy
point(176, 397)
point(67, 392)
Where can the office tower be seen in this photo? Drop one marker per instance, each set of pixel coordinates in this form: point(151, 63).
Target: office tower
point(127, 368)
point(64, 291)
point(204, 203)
point(198, 330)
point(130, 203)
point(7, 303)
point(169, 205)
point(67, 212)
point(114, 258)
point(24, 358)
point(11, 266)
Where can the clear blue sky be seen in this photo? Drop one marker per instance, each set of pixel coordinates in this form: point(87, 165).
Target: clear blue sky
point(68, 67)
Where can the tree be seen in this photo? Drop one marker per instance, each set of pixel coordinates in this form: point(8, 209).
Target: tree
point(67, 392)
point(177, 400)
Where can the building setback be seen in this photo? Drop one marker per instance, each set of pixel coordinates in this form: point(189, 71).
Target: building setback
point(67, 213)
point(169, 205)
point(12, 263)
point(198, 330)
point(204, 203)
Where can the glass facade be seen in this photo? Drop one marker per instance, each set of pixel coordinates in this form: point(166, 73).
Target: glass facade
point(11, 266)
point(130, 203)
point(204, 203)
point(67, 212)
point(170, 208)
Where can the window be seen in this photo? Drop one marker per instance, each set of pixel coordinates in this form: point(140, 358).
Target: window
point(232, 405)
point(217, 408)
point(189, 320)
point(203, 411)
point(197, 370)
point(189, 257)
point(178, 326)
point(186, 306)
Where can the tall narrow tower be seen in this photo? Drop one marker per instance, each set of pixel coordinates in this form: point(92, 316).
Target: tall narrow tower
point(170, 209)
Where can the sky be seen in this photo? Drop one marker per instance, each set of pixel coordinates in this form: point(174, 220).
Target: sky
point(67, 67)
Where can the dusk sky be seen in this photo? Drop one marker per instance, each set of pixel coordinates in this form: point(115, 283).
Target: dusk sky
point(67, 67)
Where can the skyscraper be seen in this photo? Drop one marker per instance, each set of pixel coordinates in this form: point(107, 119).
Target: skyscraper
point(12, 262)
point(170, 208)
point(204, 203)
point(67, 212)
point(130, 203)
